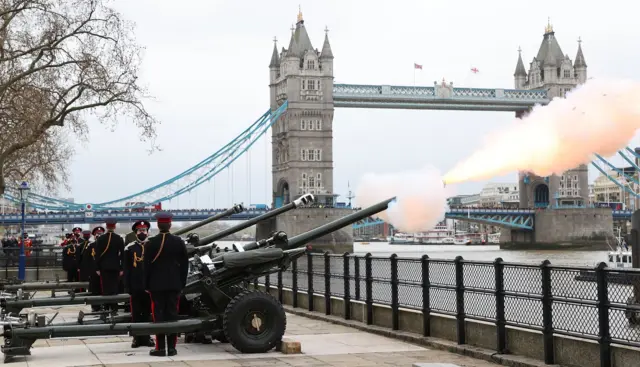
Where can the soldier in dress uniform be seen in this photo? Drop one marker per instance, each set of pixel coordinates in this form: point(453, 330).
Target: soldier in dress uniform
point(87, 265)
point(166, 266)
point(70, 260)
point(67, 238)
point(134, 278)
point(109, 260)
point(77, 232)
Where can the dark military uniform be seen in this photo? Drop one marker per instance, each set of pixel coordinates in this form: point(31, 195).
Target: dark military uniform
point(131, 236)
point(109, 259)
point(134, 282)
point(70, 261)
point(166, 265)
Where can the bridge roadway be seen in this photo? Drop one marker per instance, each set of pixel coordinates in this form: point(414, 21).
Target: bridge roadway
point(510, 218)
point(441, 96)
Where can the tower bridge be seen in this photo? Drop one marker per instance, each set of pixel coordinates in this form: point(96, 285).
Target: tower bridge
point(303, 98)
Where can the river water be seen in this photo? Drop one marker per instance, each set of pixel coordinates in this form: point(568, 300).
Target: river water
point(483, 253)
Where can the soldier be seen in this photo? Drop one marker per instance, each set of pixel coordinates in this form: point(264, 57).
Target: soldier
point(166, 266)
point(77, 231)
point(109, 259)
point(87, 265)
point(134, 278)
point(70, 261)
point(67, 237)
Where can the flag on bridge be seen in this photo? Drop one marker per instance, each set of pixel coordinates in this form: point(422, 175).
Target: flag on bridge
point(417, 66)
point(475, 70)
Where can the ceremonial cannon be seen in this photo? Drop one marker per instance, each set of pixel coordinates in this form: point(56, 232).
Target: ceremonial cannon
point(13, 306)
point(251, 320)
point(16, 289)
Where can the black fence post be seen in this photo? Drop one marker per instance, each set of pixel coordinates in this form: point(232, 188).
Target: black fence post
point(327, 283)
point(368, 279)
point(347, 286)
point(280, 291)
point(310, 281)
point(426, 297)
point(356, 276)
point(501, 322)
point(547, 319)
point(395, 303)
point(604, 338)
point(460, 315)
point(294, 282)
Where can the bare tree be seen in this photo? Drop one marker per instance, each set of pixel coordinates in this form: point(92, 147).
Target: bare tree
point(61, 61)
point(43, 164)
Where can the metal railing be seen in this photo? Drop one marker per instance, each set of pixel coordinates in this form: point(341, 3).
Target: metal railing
point(40, 258)
point(582, 302)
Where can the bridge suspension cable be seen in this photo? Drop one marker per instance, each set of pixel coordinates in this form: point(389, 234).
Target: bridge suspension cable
point(175, 186)
point(624, 185)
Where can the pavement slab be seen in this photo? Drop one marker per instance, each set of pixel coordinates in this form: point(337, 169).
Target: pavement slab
point(323, 345)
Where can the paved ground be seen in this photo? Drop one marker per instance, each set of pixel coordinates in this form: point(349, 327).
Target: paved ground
point(323, 344)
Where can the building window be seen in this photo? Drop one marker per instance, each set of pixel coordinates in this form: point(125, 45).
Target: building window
point(318, 124)
point(303, 125)
point(319, 180)
point(312, 182)
point(311, 84)
point(318, 155)
point(304, 182)
point(303, 154)
point(311, 64)
point(567, 73)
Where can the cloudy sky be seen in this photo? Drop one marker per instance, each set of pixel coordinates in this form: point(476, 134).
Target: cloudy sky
point(206, 64)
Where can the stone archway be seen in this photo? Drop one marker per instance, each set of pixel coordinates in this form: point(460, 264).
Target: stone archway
point(283, 195)
point(541, 196)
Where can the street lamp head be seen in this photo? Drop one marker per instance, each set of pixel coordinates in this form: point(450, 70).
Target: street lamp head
point(24, 190)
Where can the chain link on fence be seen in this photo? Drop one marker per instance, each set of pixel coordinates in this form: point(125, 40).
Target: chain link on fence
point(582, 302)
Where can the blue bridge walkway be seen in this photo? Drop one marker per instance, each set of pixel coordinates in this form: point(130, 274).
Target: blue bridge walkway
point(508, 218)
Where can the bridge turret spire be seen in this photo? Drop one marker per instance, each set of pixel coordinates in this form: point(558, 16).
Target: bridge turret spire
point(520, 70)
point(580, 62)
point(326, 52)
point(275, 57)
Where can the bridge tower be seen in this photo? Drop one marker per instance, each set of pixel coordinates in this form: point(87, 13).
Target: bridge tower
point(554, 71)
point(302, 140)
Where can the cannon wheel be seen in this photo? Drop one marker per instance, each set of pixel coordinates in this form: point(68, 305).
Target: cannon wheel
point(254, 322)
point(232, 292)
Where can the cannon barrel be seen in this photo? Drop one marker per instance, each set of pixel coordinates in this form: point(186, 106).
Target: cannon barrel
point(229, 212)
point(303, 200)
point(307, 237)
point(279, 239)
point(11, 305)
point(46, 286)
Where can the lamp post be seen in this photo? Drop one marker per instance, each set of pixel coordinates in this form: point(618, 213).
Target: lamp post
point(22, 260)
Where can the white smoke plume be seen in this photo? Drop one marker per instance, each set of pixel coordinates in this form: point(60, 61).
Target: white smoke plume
point(420, 198)
point(600, 116)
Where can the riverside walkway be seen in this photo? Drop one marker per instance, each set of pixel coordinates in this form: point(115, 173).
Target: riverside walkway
point(323, 344)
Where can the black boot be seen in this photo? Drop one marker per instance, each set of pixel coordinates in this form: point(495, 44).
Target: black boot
point(135, 343)
point(172, 339)
point(157, 353)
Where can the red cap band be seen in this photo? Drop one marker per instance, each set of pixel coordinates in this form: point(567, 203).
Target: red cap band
point(111, 225)
point(141, 226)
point(164, 220)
